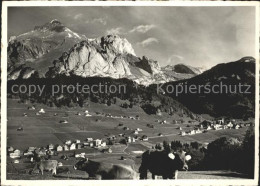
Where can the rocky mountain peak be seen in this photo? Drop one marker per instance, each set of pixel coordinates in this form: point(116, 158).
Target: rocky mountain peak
point(53, 25)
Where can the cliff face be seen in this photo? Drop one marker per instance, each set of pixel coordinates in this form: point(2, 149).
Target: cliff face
point(52, 49)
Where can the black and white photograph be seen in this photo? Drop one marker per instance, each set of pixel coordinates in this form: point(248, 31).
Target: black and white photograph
point(130, 92)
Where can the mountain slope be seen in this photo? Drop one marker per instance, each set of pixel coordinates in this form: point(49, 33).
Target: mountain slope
point(38, 48)
point(53, 49)
point(233, 103)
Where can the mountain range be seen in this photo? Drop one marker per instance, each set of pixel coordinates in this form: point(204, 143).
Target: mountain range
point(53, 52)
point(53, 49)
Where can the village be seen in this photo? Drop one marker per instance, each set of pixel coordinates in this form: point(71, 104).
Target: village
point(104, 145)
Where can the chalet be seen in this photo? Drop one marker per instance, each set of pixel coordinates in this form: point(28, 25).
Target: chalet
point(103, 144)
point(73, 146)
point(31, 108)
point(97, 142)
point(10, 149)
point(198, 131)
point(88, 115)
point(108, 150)
point(81, 155)
point(31, 149)
point(78, 146)
point(64, 121)
point(42, 111)
point(86, 144)
point(221, 121)
point(50, 152)
point(128, 139)
point(66, 147)
point(28, 153)
point(68, 142)
point(51, 147)
point(229, 125)
point(191, 132)
point(89, 139)
point(144, 138)
point(59, 148)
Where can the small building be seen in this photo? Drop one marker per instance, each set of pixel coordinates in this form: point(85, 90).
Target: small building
point(86, 112)
point(51, 147)
point(126, 128)
point(230, 125)
point(91, 144)
point(31, 108)
point(88, 115)
point(77, 141)
point(237, 127)
point(139, 129)
point(78, 113)
point(59, 148)
point(42, 111)
point(89, 139)
point(183, 133)
point(25, 115)
point(10, 149)
point(97, 142)
point(37, 114)
point(31, 149)
point(73, 146)
point(68, 142)
point(221, 121)
point(133, 139)
point(144, 138)
point(128, 139)
point(103, 144)
point(66, 147)
point(136, 132)
point(78, 146)
point(64, 121)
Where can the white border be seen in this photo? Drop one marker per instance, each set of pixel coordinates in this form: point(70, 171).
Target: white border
point(4, 43)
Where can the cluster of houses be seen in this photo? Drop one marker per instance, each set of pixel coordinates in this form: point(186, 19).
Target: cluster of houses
point(220, 124)
point(52, 149)
point(137, 117)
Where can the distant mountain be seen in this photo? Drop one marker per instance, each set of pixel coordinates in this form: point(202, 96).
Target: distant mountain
point(53, 49)
point(234, 103)
point(36, 49)
point(181, 71)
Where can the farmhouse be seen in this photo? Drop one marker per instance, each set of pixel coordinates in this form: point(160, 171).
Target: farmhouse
point(103, 144)
point(51, 147)
point(59, 148)
point(68, 142)
point(97, 142)
point(66, 147)
point(31, 149)
point(221, 121)
point(88, 115)
point(89, 139)
point(144, 138)
point(64, 121)
point(73, 146)
point(78, 146)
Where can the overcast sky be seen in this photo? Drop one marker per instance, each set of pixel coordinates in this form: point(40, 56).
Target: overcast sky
point(197, 36)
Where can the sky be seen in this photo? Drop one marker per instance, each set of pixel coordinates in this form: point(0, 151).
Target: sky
point(196, 36)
